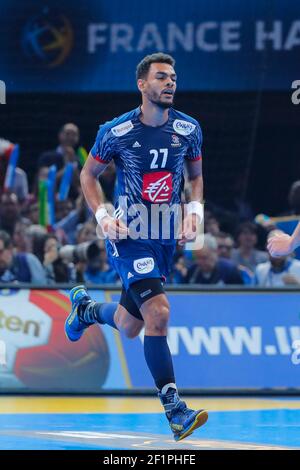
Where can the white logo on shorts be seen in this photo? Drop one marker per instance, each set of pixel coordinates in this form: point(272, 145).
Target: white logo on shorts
point(143, 265)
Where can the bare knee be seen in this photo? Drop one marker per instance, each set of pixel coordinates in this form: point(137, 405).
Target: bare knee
point(156, 312)
point(128, 324)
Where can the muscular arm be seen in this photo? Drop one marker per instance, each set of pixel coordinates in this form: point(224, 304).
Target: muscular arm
point(111, 227)
point(194, 170)
point(191, 221)
point(197, 189)
point(89, 182)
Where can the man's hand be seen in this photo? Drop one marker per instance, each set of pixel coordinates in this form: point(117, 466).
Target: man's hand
point(51, 255)
point(190, 229)
point(113, 229)
point(280, 244)
point(181, 267)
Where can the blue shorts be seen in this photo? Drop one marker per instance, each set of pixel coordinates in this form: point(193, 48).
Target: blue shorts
point(135, 260)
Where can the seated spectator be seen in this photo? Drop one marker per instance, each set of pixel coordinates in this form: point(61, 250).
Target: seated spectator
point(36, 234)
point(246, 254)
point(21, 238)
point(10, 212)
point(70, 157)
point(69, 223)
point(68, 136)
point(20, 183)
point(179, 269)
point(18, 267)
point(97, 269)
point(225, 248)
point(65, 153)
point(57, 270)
point(210, 269)
point(63, 209)
point(211, 224)
point(225, 245)
point(279, 271)
point(32, 212)
point(86, 232)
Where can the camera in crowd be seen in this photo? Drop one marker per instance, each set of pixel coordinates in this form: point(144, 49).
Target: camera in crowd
point(86, 251)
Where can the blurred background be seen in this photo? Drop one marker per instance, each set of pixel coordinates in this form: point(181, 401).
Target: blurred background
point(64, 62)
point(70, 66)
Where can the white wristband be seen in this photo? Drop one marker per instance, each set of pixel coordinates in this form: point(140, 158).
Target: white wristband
point(195, 207)
point(101, 212)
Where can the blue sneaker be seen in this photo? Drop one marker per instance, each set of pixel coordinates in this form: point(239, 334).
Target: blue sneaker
point(183, 421)
point(74, 327)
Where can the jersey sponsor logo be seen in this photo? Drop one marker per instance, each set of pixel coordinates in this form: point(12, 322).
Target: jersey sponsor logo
point(122, 129)
point(183, 127)
point(157, 186)
point(143, 265)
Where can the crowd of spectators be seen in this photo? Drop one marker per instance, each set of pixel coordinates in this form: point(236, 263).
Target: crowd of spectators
point(233, 251)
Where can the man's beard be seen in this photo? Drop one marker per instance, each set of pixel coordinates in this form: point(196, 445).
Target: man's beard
point(155, 99)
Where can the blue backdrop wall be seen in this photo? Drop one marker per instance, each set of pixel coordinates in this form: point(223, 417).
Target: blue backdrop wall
point(94, 45)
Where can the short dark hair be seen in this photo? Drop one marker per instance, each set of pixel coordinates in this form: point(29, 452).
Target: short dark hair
point(159, 57)
point(5, 237)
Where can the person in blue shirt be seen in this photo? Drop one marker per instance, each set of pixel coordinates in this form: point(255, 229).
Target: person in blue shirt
point(19, 267)
point(98, 271)
point(210, 269)
point(150, 146)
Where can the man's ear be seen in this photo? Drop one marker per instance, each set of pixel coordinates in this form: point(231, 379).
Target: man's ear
point(141, 84)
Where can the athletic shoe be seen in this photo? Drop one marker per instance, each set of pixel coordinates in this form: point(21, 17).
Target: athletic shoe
point(74, 326)
point(183, 421)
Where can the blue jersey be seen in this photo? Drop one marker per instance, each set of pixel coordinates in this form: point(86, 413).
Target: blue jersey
point(149, 160)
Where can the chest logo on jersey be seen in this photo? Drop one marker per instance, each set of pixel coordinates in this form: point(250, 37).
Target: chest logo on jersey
point(157, 186)
point(175, 141)
point(122, 129)
point(183, 127)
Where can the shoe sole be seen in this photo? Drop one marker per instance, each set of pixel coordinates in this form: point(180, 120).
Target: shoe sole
point(200, 420)
point(73, 340)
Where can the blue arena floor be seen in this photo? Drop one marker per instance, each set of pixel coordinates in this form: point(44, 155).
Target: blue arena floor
point(73, 423)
